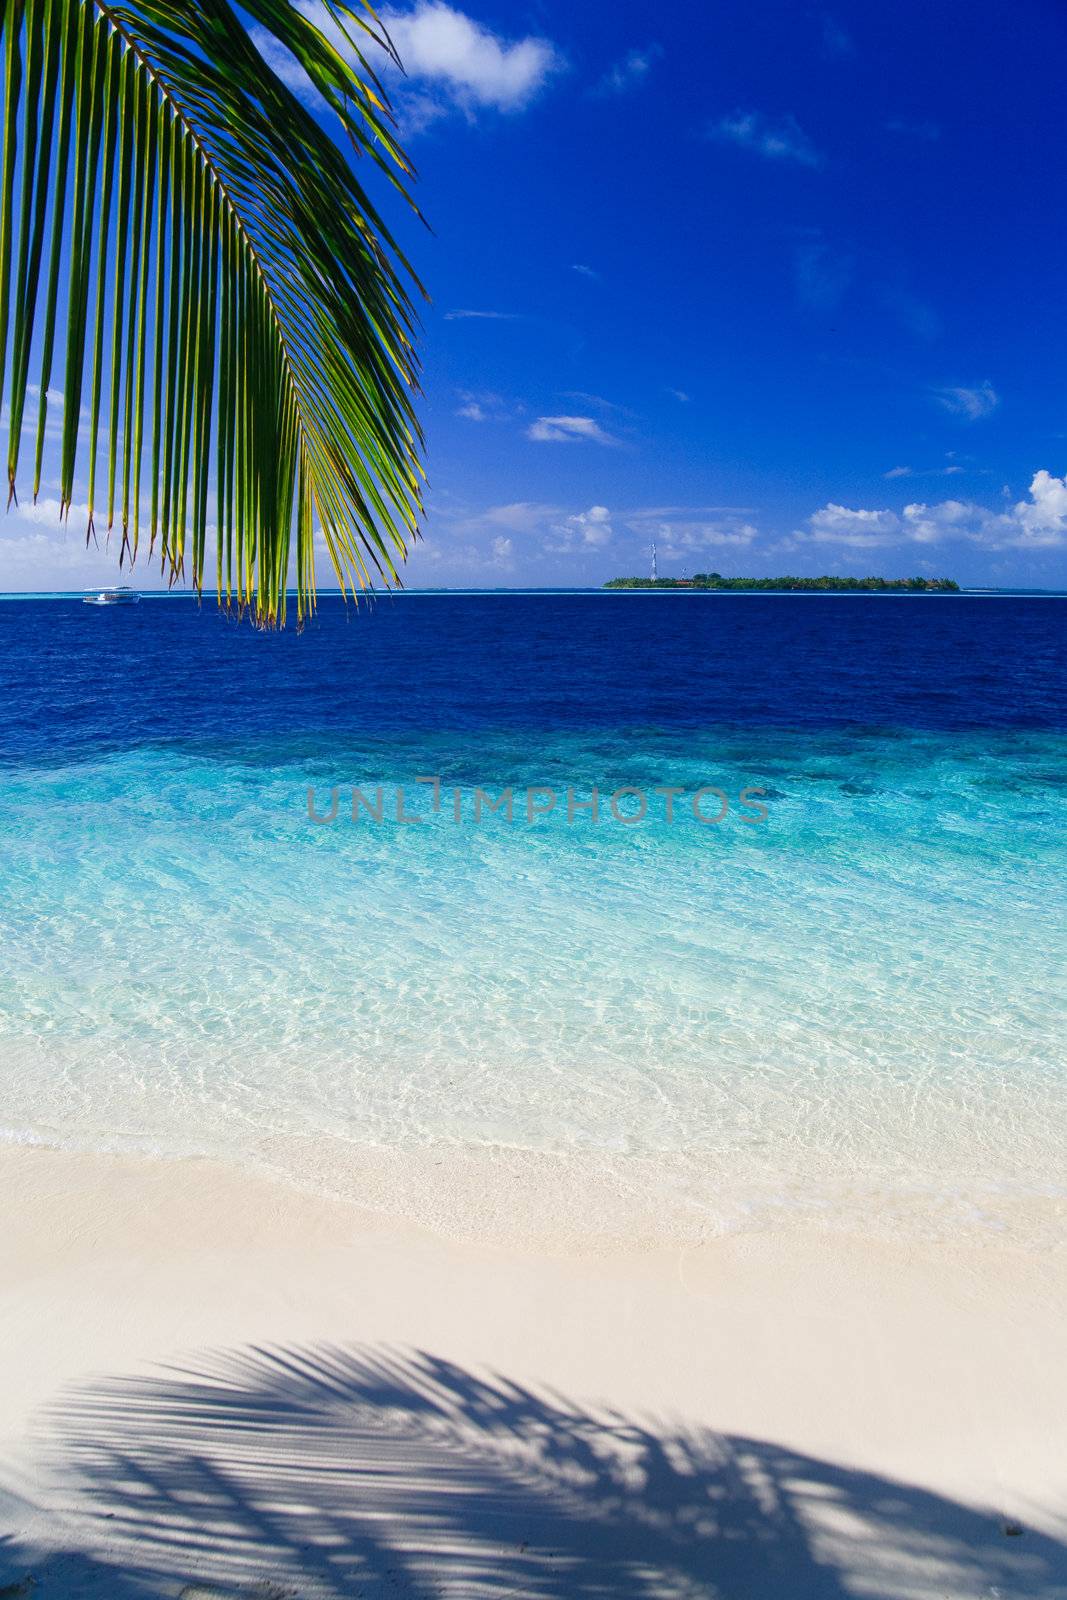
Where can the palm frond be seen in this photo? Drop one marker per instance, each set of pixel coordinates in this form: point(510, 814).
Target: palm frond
point(232, 314)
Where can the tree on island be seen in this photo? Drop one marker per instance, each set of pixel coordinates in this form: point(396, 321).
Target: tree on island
point(226, 299)
point(715, 580)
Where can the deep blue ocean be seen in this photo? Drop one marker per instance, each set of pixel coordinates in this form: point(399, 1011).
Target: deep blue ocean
point(79, 680)
point(844, 1002)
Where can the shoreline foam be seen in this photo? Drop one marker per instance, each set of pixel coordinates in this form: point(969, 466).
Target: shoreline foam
point(593, 1201)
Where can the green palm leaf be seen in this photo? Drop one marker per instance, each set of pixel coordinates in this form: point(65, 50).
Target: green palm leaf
point(238, 329)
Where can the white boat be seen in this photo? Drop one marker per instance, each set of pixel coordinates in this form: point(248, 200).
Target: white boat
point(113, 597)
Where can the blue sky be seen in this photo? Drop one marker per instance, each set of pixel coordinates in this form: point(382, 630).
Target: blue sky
point(771, 260)
point(779, 286)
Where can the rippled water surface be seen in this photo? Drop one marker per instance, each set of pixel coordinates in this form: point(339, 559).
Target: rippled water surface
point(855, 1000)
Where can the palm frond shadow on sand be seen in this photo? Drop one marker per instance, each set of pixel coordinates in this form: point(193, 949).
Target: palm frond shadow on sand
point(321, 1472)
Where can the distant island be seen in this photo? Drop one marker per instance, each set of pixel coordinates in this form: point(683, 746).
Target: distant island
point(715, 580)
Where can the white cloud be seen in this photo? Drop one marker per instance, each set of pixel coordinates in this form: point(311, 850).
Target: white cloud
point(584, 530)
point(568, 430)
point(925, 524)
point(682, 530)
point(481, 316)
point(781, 140)
point(679, 394)
point(55, 396)
point(1037, 523)
point(449, 61)
point(584, 271)
point(521, 517)
point(38, 550)
point(972, 403)
point(522, 534)
point(953, 470)
point(632, 70)
point(473, 65)
point(1042, 519)
point(449, 560)
point(284, 64)
point(482, 405)
point(416, 110)
point(46, 514)
point(835, 524)
point(529, 527)
point(679, 538)
point(860, 529)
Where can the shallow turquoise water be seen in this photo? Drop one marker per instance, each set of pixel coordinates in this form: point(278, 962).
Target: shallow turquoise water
point(851, 1010)
point(856, 990)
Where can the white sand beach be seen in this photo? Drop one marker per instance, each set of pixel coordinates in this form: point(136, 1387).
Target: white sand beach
point(216, 1385)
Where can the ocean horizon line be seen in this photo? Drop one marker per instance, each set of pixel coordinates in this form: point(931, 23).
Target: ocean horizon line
point(977, 592)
